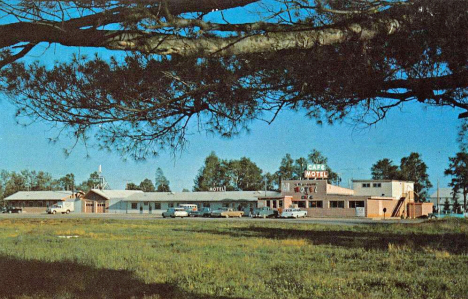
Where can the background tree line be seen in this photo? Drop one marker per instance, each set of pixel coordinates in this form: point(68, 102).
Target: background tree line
point(244, 175)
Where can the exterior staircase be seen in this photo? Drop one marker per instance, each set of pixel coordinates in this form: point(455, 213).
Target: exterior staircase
point(398, 208)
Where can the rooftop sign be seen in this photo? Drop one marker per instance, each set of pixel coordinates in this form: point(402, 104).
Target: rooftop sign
point(315, 174)
point(316, 167)
point(218, 189)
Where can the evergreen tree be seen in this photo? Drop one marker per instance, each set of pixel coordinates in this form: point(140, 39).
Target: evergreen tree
point(91, 183)
point(456, 206)
point(147, 186)
point(458, 170)
point(412, 168)
point(446, 205)
point(287, 170)
point(316, 157)
point(245, 175)
point(66, 182)
point(161, 182)
point(132, 186)
point(385, 170)
point(213, 173)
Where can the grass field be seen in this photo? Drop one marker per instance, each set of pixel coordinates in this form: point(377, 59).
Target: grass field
point(229, 259)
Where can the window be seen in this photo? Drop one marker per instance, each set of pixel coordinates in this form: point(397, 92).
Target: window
point(274, 204)
point(377, 185)
point(134, 206)
point(337, 204)
point(356, 204)
point(280, 203)
point(157, 206)
point(170, 205)
point(206, 204)
point(225, 205)
point(316, 204)
point(301, 204)
point(366, 185)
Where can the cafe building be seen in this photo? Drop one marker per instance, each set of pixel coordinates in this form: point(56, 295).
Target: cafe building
point(368, 198)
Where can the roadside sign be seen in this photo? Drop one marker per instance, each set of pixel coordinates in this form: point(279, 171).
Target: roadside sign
point(316, 167)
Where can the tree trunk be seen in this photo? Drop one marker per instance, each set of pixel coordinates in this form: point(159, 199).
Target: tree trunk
point(465, 191)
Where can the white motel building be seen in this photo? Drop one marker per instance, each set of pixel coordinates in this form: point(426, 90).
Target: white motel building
point(367, 198)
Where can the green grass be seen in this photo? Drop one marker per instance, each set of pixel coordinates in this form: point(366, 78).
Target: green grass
point(229, 259)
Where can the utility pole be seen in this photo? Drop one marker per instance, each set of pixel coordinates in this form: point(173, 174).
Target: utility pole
point(438, 206)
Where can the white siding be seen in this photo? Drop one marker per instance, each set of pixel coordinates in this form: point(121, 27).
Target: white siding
point(394, 189)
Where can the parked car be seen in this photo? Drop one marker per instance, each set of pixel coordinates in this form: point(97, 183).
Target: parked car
point(61, 207)
point(227, 212)
point(175, 212)
point(264, 212)
point(293, 213)
point(189, 207)
point(204, 212)
point(13, 210)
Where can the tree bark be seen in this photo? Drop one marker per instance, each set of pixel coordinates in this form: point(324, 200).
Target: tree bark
point(173, 45)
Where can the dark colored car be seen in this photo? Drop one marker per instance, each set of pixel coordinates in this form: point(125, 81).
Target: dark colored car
point(203, 212)
point(13, 210)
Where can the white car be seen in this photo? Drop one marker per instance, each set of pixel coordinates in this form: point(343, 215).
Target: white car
point(175, 212)
point(293, 213)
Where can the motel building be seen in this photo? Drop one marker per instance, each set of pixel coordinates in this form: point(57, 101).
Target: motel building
point(367, 198)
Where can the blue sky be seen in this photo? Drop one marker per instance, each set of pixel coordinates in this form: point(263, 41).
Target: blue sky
point(351, 152)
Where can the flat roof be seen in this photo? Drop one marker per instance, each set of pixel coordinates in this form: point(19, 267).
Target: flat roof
point(383, 181)
point(39, 195)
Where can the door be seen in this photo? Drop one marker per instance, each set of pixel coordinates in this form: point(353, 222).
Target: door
point(89, 207)
point(101, 206)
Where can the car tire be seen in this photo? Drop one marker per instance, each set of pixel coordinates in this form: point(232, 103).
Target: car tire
point(67, 212)
point(53, 212)
point(9, 212)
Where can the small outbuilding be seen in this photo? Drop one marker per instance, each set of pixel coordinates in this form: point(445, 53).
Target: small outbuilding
point(37, 201)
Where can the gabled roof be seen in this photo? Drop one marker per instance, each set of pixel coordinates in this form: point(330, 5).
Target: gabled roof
point(39, 195)
point(445, 192)
point(201, 196)
point(108, 194)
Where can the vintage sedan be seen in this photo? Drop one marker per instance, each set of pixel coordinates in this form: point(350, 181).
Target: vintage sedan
point(264, 212)
point(203, 212)
point(175, 212)
point(293, 213)
point(12, 209)
point(226, 213)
